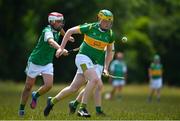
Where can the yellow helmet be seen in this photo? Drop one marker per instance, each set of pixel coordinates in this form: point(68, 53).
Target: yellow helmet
point(105, 15)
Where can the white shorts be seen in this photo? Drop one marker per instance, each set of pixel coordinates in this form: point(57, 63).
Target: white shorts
point(156, 83)
point(118, 83)
point(33, 70)
point(83, 59)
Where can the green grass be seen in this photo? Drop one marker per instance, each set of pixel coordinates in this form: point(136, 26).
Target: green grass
point(132, 105)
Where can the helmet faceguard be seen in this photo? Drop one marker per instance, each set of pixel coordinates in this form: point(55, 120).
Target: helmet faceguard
point(56, 20)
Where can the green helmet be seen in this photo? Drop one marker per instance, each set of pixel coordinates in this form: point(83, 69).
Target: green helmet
point(156, 57)
point(105, 15)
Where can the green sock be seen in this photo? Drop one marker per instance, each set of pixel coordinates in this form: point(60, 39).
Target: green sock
point(21, 107)
point(54, 100)
point(75, 103)
point(37, 95)
point(82, 106)
point(98, 109)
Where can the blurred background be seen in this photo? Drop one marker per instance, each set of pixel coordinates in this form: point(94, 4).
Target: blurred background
point(151, 26)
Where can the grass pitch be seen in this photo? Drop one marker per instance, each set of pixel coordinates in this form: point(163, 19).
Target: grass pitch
point(132, 105)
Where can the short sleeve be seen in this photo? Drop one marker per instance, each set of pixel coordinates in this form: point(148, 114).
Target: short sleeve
point(48, 35)
point(85, 27)
point(112, 38)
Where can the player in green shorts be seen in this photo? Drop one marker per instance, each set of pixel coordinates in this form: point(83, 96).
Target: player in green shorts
point(40, 60)
point(155, 77)
point(91, 61)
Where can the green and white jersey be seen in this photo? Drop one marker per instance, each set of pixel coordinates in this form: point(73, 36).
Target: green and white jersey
point(95, 42)
point(118, 68)
point(43, 53)
point(156, 70)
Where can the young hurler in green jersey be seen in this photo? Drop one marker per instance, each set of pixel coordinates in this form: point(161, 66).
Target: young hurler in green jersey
point(40, 60)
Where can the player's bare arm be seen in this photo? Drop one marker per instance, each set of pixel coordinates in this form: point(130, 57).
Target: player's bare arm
point(71, 39)
point(108, 58)
point(74, 30)
point(55, 45)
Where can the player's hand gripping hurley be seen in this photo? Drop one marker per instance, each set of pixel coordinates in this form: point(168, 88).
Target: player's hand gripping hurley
point(112, 76)
point(73, 50)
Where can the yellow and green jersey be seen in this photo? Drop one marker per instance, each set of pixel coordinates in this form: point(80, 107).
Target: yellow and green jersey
point(95, 42)
point(156, 70)
point(43, 53)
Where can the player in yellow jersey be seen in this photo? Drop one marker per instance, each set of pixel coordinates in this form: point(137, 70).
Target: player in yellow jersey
point(90, 61)
point(155, 77)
